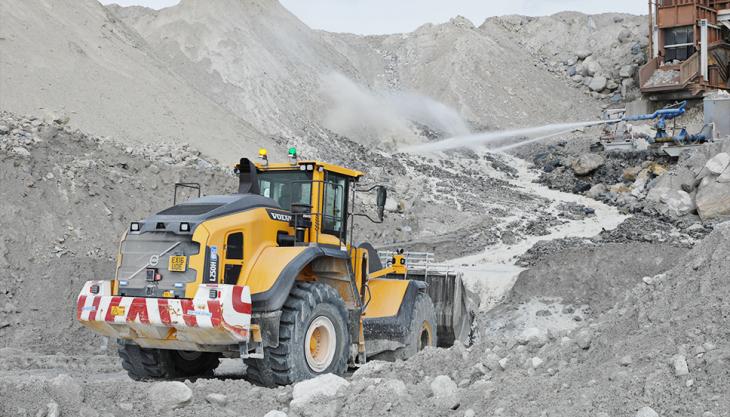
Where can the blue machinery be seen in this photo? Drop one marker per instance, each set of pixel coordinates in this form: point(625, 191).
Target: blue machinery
point(670, 113)
point(672, 143)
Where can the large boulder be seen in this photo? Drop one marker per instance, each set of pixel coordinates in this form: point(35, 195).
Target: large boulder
point(725, 176)
point(445, 392)
point(583, 338)
point(627, 71)
point(625, 35)
point(718, 163)
point(597, 191)
point(598, 83)
point(681, 177)
point(713, 200)
point(583, 53)
point(323, 386)
point(587, 163)
point(592, 66)
point(678, 202)
point(646, 412)
point(169, 395)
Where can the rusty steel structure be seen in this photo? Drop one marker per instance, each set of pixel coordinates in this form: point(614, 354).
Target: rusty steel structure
point(689, 46)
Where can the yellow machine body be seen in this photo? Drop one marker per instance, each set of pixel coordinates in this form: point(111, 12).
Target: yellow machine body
point(252, 256)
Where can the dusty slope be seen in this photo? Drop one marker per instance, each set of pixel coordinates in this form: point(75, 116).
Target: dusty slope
point(593, 275)
point(265, 65)
point(252, 56)
point(71, 56)
point(490, 79)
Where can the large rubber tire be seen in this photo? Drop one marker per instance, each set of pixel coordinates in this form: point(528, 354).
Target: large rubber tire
point(308, 304)
point(422, 331)
point(147, 364)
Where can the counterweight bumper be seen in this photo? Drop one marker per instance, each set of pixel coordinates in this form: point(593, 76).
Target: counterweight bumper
point(218, 316)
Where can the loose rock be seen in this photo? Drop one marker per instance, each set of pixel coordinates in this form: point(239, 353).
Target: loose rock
point(445, 392)
point(587, 163)
point(646, 412)
point(584, 338)
point(169, 395)
point(217, 399)
point(679, 362)
point(718, 163)
point(325, 385)
point(598, 83)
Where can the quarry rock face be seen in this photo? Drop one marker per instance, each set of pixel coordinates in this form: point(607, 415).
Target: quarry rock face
point(589, 45)
point(370, 89)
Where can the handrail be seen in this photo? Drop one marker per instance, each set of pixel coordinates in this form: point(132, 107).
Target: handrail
point(647, 70)
point(689, 69)
point(421, 262)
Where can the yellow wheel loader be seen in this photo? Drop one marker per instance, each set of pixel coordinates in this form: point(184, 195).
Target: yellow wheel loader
point(266, 274)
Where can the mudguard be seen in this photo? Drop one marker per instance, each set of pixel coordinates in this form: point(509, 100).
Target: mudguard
point(273, 298)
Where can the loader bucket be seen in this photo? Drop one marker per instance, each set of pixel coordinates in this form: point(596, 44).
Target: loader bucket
point(455, 306)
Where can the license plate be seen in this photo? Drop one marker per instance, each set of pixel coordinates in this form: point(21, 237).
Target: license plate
point(117, 310)
point(178, 263)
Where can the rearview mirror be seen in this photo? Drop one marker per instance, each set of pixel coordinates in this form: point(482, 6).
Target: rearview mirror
point(382, 198)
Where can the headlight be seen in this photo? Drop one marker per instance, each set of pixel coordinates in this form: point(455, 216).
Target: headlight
point(134, 227)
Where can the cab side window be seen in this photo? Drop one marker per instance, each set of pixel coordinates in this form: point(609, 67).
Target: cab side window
point(334, 216)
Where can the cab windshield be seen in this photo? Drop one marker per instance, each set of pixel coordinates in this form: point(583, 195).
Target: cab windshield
point(286, 187)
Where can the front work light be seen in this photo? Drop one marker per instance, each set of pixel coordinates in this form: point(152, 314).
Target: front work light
point(184, 227)
point(134, 227)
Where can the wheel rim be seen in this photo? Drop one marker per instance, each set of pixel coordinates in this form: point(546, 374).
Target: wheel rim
point(320, 344)
point(424, 337)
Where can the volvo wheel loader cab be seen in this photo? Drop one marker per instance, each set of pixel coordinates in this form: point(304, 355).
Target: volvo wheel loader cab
point(269, 274)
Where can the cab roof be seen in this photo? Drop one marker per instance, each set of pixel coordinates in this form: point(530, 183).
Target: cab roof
point(326, 166)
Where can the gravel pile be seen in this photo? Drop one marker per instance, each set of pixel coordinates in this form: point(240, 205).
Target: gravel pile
point(363, 87)
point(66, 198)
point(599, 55)
point(531, 356)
